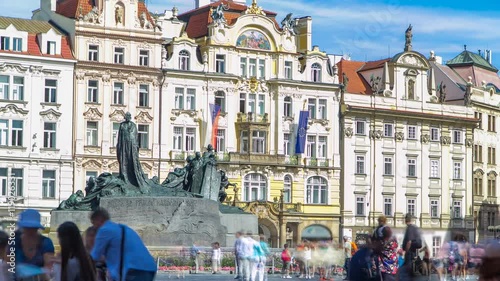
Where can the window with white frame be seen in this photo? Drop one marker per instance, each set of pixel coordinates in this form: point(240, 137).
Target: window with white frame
point(4, 43)
point(18, 88)
point(288, 69)
point(143, 136)
point(436, 246)
point(4, 132)
point(317, 190)
point(11, 182)
point(244, 143)
point(184, 139)
point(434, 134)
point(119, 55)
point(261, 104)
point(93, 53)
point(388, 206)
point(360, 164)
point(49, 135)
point(311, 146)
point(51, 47)
point(434, 165)
point(259, 142)
point(184, 58)
point(221, 140)
point(248, 103)
point(4, 87)
point(254, 187)
point(411, 207)
point(252, 67)
point(144, 58)
point(187, 95)
point(287, 189)
point(178, 136)
point(360, 205)
point(412, 167)
point(243, 67)
point(118, 94)
point(220, 63)
point(316, 72)
point(434, 208)
point(322, 147)
point(11, 132)
point(262, 69)
point(287, 149)
point(92, 133)
point(322, 109)
point(48, 184)
point(360, 127)
point(190, 139)
point(93, 91)
point(317, 108)
point(457, 137)
point(412, 132)
point(179, 98)
point(220, 100)
point(287, 107)
point(457, 209)
point(311, 106)
point(388, 165)
point(144, 95)
point(114, 133)
point(190, 99)
point(457, 170)
point(388, 130)
point(17, 45)
point(50, 91)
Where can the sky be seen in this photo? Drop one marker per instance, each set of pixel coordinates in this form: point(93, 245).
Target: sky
point(369, 29)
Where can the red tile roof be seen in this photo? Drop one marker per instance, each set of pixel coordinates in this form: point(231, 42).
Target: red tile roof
point(374, 64)
point(199, 19)
point(71, 8)
point(34, 48)
point(357, 84)
point(141, 8)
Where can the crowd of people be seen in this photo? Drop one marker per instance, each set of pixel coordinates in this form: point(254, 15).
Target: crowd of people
point(107, 252)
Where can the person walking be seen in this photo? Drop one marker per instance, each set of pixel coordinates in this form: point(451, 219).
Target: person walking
point(125, 254)
point(101, 269)
point(412, 242)
point(347, 256)
point(256, 260)
point(307, 261)
point(286, 258)
point(388, 255)
point(5, 274)
point(195, 256)
point(247, 256)
point(263, 258)
point(216, 257)
point(238, 254)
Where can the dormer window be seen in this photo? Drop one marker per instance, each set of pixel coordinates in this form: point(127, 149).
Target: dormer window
point(51, 47)
point(184, 60)
point(17, 44)
point(316, 72)
point(4, 43)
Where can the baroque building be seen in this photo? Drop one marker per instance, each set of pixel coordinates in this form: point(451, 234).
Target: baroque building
point(118, 48)
point(470, 79)
point(36, 104)
point(260, 74)
point(404, 151)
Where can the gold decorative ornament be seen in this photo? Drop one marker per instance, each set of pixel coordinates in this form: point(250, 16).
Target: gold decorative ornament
point(253, 84)
point(255, 9)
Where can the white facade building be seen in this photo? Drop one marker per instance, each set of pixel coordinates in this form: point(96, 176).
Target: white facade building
point(36, 104)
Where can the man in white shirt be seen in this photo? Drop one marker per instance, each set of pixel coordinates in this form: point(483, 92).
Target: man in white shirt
point(347, 254)
point(247, 254)
point(238, 251)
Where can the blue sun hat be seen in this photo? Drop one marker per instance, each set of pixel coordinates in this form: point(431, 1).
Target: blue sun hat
point(30, 218)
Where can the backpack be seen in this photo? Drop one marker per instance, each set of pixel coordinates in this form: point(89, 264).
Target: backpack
point(354, 248)
point(417, 242)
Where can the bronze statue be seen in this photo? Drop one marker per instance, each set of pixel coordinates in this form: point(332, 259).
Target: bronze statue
point(408, 38)
point(224, 184)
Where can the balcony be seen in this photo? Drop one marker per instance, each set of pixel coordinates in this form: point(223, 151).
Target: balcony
point(251, 117)
point(256, 158)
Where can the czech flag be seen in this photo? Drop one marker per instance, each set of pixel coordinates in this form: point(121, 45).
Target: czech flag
point(215, 109)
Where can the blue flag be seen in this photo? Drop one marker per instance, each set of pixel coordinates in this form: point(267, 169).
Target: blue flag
point(300, 144)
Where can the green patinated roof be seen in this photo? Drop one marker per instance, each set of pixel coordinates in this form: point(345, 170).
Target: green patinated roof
point(30, 26)
point(469, 58)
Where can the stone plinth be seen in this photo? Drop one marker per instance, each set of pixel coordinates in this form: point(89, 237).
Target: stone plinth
point(238, 222)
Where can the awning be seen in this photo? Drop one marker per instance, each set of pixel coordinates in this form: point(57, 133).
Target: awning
point(316, 232)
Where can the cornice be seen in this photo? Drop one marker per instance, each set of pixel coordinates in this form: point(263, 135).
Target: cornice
point(124, 37)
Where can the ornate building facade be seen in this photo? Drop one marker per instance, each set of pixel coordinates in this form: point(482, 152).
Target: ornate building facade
point(36, 104)
point(118, 48)
point(404, 150)
point(261, 74)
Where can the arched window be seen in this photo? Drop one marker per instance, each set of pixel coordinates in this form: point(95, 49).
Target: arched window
point(220, 100)
point(317, 190)
point(255, 187)
point(184, 60)
point(287, 189)
point(316, 72)
point(492, 184)
point(477, 183)
point(287, 107)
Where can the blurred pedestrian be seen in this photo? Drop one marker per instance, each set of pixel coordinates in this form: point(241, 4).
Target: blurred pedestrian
point(263, 258)
point(216, 257)
point(195, 256)
point(5, 275)
point(347, 255)
point(490, 264)
point(388, 255)
point(238, 253)
point(286, 258)
point(101, 269)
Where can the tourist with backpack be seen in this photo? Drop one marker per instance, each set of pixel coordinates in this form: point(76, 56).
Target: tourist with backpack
point(412, 242)
point(367, 265)
point(286, 258)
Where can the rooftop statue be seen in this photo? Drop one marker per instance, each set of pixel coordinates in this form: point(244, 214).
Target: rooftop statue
point(217, 14)
point(289, 24)
point(408, 38)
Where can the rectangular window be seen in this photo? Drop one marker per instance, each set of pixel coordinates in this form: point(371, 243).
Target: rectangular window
point(492, 123)
point(492, 155)
point(434, 173)
point(288, 70)
point(93, 53)
point(388, 130)
point(49, 184)
point(17, 133)
point(143, 136)
point(190, 139)
point(4, 181)
point(287, 189)
point(191, 99)
point(144, 58)
point(262, 104)
point(434, 208)
point(220, 63)
point(360, 206)
point(5, 43)
point(478, 153)
point(252, 67)
point(243, 67)
point(49, 135)
point(436, 246)
point(388, 166)
point(360, 164)
point(479, 115)
point(360, 128)
point(322, 146)
point(92, 133)
point(118, 98)
point(412, 167)
point(286, 144)
point(179, 98)
point(178, 136)
point(388, 207)
point(93, 91)
point(119, 55)
point(434, 134)
point(50, 91)
point(311, 147)
point(18, 45)
point(262, 69)
point(17, 177)
point(322, 109)
point(4, 87)
point(114, 134)
point(457, 209)
point(259, 142)
point(287, 107)
point(410, 207)
point(457, 170)
point(244, 142)
point(4, 132)
point(51, 47)
point(457, 137)
point(477, 182)
point(11, 184)
point(243, 102)
point(492, 185)
point(412, 132)
point(18, 88)
point(221, 140)
point(220, 100)
point(311, 106)
point(144, 95)
point(251, 102)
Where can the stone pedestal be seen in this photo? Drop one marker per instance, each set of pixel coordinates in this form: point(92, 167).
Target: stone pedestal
point(238, 222)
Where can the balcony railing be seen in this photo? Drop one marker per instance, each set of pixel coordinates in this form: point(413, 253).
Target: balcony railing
point(252, 117)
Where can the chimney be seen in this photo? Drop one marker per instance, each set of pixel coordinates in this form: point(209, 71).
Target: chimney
point(48, 5)
point(304, 27)
point(488, 56)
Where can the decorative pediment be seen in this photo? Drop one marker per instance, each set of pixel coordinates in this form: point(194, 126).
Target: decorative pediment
point(50, 114)
point(13, 109)
point(478, 173)
point(412, 59)
point(411, 72)
point(492, 174)
point(144, 117)
point(115, 166)
point(117, 115)
point(92, 114)
point(91, 164)
point(145, 45)
point(13, 66)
